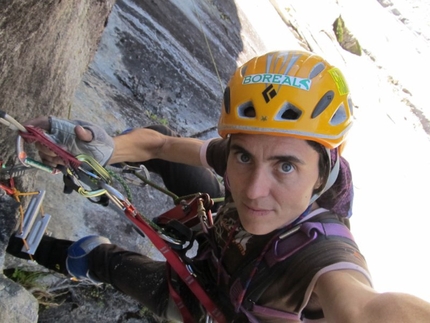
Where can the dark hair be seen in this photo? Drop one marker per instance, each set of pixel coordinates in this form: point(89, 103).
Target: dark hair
point(323, 164)
point(339, 197)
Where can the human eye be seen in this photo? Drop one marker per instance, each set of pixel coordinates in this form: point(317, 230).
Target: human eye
point(286, 167)
point(243, 158)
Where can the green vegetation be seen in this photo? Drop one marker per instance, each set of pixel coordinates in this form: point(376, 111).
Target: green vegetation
point(27, 279)
point(338, 28)
point(156, 119)
point(345, 38)
point(31, 281)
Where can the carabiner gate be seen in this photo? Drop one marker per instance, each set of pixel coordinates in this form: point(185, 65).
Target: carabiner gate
point(29, 162)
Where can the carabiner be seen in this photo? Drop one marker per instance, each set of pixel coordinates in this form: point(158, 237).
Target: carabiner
point(80, 177)
point(140, 172)
point(89, 173)
point(10, 122)
point(99, 171)
point(115, 196)
point(29, 162)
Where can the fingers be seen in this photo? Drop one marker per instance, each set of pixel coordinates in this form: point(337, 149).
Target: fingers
point(51, 161)
point(48, 156)
point(83, 134)
point(40, 122)
point(61, 132)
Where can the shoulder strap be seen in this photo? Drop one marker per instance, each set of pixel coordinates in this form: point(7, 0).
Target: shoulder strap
point(300, 236)
point(283, 247)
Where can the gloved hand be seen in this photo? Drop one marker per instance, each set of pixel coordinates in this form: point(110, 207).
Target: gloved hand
point(64, 133)
point(76, 136)
point(77, 256)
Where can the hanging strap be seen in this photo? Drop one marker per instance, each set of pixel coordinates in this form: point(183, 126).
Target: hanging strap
point(185, 313)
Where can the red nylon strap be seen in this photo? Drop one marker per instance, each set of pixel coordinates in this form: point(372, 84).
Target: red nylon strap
point(37, 135)
point(185, 313)
point(178, 266)
point(8, 190)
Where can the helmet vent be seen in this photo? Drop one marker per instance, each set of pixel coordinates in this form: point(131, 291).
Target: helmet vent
point(317, 70)
point(288, 112)
point(243, 70)
point(322, 104)
point(339, 117)
point(247, 111)
point(350, 105)
point(226, 100)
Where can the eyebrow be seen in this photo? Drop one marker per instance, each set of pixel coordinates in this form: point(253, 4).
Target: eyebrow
point(281, 158)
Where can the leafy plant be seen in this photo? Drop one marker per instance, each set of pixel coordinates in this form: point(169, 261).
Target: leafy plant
point(26, 279)
point(31, 281)
point(156, 118)
point(338, 28)
point(345, 38)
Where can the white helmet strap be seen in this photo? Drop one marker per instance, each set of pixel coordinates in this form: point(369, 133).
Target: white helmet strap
point(334, 172)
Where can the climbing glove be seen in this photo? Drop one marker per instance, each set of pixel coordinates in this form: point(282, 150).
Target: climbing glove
point(63, 133)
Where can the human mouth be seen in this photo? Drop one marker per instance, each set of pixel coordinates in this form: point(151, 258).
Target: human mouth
point(258, 211)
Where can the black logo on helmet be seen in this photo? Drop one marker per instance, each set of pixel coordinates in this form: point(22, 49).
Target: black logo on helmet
point(269, 93)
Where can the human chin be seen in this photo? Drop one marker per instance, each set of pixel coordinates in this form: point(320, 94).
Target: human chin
point(256, 226)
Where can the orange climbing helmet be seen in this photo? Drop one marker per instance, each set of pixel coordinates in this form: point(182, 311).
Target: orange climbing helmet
point(288, 93)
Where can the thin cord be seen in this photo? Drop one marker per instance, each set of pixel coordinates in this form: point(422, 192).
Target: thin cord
point(209, 48)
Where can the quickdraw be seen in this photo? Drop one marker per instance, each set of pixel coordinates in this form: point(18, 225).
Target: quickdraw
point(90, 179)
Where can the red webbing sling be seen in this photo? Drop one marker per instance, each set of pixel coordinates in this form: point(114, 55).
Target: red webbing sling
point(176, 263)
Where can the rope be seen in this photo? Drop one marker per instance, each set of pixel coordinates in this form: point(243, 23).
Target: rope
point(209, 47)
point(122, 182)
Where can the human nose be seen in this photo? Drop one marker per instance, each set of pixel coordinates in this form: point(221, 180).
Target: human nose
point(258, 184)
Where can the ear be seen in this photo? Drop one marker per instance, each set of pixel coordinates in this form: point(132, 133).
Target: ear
point(318, 184)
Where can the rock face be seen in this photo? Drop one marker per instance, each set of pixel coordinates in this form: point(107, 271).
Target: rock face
point(164, 62)
point(16, 303)
point(44, 50)
point(45, 47)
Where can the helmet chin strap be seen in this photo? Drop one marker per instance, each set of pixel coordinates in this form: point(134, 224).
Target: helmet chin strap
point(334, 172)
